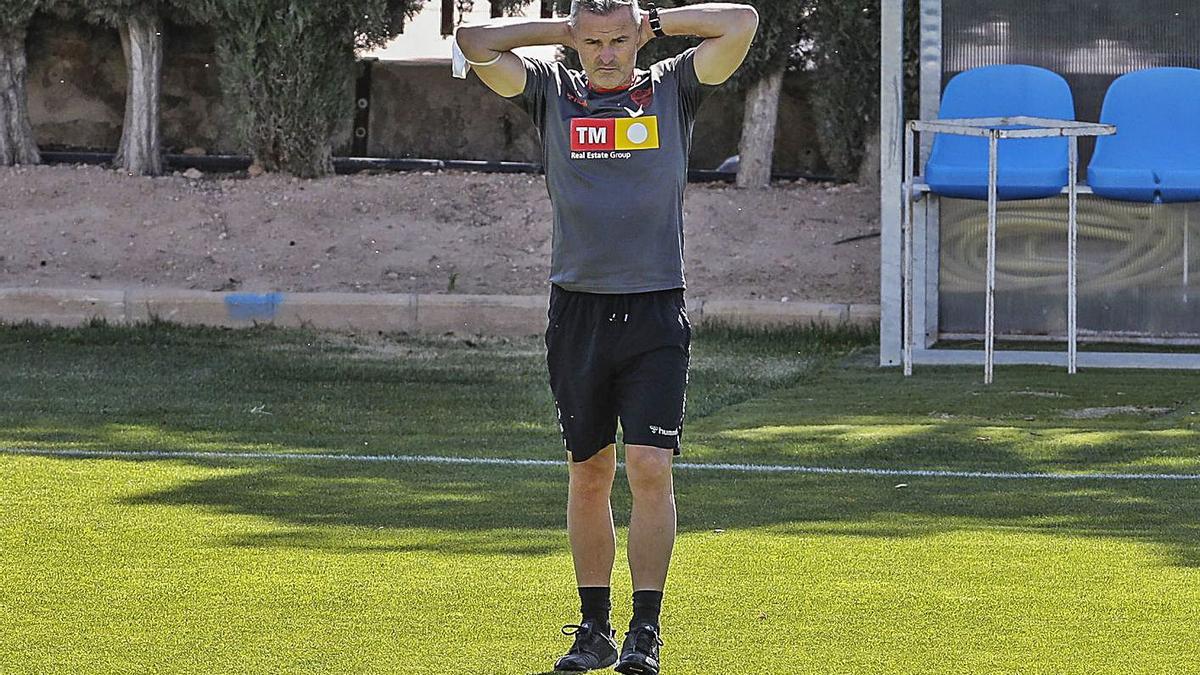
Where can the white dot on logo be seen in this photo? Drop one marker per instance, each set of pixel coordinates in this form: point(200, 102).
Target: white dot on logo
point(638, 133)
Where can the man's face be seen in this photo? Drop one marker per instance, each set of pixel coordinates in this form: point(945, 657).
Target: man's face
point(607, 46)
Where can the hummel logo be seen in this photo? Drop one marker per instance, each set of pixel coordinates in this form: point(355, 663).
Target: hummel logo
point(664, 432)
point(635, 113)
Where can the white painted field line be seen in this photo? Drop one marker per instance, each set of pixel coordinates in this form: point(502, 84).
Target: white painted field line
point(687, 466)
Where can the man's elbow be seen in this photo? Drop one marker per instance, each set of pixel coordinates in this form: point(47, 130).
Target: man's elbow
point(468, 37)
point(746, 20)
point(474, 42)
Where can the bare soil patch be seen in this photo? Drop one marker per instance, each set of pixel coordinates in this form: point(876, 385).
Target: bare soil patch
point(446, 232)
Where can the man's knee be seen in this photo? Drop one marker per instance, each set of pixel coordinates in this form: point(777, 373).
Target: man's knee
point(595, 474)
point(648, 469)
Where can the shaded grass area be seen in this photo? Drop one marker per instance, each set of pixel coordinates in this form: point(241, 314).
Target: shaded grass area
point(481, 499)
point(254, 566)
point(162, 386)
point(1030, 419)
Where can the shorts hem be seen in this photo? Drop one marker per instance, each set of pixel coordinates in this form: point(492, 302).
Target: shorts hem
point(621, 290)
point(576, 458)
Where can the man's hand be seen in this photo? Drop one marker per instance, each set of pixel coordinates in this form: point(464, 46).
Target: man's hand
point(645, 32)
point(494, 41)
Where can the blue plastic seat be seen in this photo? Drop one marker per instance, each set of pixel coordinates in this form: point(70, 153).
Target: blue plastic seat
point(1029, 168)
point(1155, 154)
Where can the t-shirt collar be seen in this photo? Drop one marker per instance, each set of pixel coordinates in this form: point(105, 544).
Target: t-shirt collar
point(633, 82)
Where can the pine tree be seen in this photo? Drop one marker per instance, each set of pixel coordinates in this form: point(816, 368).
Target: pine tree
point(287, 67)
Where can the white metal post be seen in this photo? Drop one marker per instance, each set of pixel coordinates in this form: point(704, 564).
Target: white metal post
point(926, 212)
point(930, 74)
point(891, 154)
point(909, 304)
point(1072, 232)
point(989, 332)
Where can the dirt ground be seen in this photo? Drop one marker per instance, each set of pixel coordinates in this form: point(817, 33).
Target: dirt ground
point(90, 227)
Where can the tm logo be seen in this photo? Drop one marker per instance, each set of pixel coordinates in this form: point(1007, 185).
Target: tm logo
point(607, 134)
point(591, 136)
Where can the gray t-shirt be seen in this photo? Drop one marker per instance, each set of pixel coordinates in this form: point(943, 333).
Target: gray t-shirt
point(616, 168)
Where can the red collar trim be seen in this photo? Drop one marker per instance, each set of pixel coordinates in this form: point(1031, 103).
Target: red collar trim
point(602, 90)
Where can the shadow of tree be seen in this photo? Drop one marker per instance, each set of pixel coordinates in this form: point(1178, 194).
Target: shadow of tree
point(175, 389)
point(520, 510)
point(958, 445)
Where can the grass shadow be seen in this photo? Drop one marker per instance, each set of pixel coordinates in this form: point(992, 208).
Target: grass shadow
point(758, 396)
point(520, 510)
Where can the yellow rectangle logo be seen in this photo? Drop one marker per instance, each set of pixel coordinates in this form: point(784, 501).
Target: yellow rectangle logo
point(637, 133)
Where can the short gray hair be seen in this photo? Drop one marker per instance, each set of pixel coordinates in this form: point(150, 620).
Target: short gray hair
point(603, 8)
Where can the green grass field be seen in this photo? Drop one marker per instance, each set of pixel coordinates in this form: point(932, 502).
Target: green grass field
point(212, 564)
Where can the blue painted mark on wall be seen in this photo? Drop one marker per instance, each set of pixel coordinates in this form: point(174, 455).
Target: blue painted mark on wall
point(252, 306)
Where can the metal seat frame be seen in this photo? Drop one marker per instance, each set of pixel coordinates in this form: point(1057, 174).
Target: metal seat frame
point(995, 129)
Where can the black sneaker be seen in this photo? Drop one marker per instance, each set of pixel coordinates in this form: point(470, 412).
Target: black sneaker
point(639, 652)
point(593, 649)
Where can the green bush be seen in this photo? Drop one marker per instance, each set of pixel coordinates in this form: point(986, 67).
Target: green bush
point(842, 48)
point(840, 43)
point(16, 14)
point(287, 68)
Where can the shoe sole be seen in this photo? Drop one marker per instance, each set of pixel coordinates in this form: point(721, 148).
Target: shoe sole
point(604, 665)
point(635, 669)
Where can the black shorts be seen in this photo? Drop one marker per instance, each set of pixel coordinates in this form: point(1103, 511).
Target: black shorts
point(618, 357)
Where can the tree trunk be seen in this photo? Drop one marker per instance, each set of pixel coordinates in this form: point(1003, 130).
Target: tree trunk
point(868, 171)
point(447, 17)
point(140, 152)
point(757, 147)
point(16, 133)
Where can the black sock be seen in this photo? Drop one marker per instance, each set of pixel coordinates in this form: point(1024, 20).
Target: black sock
point(595, 605)
point(646, 608)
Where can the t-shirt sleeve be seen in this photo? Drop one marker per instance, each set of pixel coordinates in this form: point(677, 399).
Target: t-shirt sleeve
point(539, 81)
point(692, 92)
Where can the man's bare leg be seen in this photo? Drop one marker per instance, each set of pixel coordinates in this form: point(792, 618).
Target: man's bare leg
point(652, 523)
point(589, 517)
point(593, 547)
point(651, 539)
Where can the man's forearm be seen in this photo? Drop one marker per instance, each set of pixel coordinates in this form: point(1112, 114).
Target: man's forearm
point(709, 20)
point(484, 42)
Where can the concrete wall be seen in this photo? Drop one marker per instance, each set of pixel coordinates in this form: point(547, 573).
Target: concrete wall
point(418, 110)
point(77, 98)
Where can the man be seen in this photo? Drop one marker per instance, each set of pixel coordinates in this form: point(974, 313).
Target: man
point(615, 147)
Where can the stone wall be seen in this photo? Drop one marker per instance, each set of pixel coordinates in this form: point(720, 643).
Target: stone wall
point(77, 88)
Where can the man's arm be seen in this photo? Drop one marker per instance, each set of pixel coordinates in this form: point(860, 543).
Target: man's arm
point(727, 29)
point(487, 42)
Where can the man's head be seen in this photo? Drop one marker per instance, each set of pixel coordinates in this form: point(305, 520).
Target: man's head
point(607, 37)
